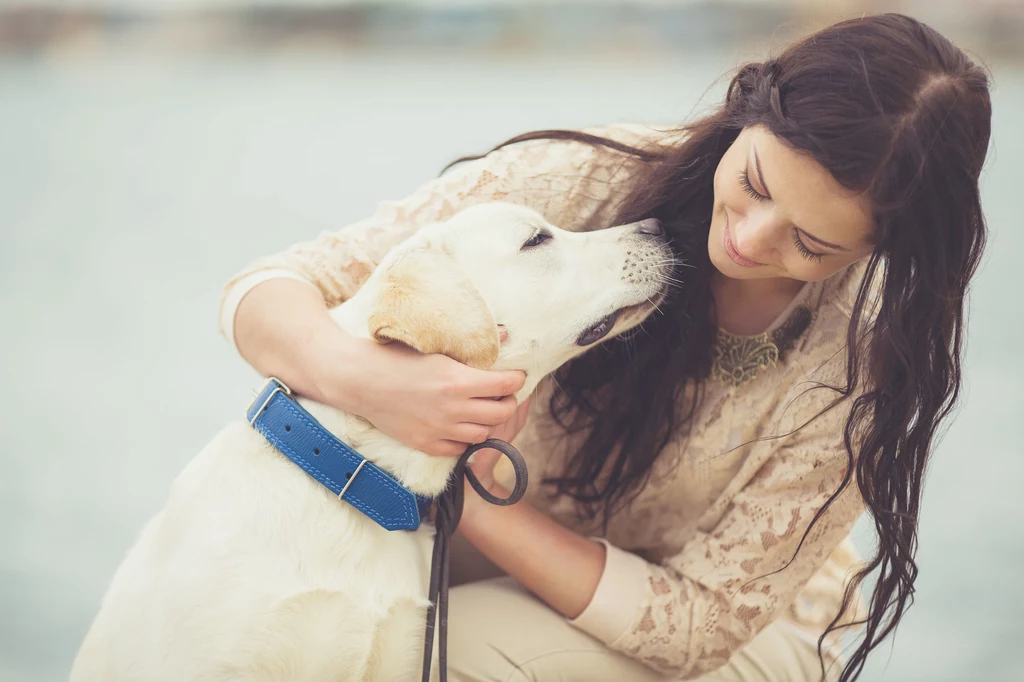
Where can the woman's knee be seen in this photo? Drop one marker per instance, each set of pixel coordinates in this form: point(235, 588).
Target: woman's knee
point(499, 632)
point(485, 623)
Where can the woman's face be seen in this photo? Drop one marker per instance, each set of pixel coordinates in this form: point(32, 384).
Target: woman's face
point(778, 213)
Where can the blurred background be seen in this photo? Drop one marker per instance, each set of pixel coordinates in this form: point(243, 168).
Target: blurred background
point(151, 148)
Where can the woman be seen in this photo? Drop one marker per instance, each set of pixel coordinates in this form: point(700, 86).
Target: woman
point(700, 478)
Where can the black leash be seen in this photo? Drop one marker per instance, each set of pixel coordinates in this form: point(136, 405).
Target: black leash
point(449, 511)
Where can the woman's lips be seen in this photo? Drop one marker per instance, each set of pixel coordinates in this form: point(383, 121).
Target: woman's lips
point(736, 256)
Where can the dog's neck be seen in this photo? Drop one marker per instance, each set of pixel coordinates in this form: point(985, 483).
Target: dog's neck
point(421, 473)
point(417, 471)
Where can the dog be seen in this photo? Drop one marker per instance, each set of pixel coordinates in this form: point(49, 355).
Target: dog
point(255, 571)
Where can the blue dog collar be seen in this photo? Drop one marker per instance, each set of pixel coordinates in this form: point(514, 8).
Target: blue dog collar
point(342, 470)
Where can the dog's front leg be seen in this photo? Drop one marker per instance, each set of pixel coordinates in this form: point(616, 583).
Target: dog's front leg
point(398, 644)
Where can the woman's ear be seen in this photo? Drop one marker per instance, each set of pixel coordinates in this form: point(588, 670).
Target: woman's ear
point(428, 303)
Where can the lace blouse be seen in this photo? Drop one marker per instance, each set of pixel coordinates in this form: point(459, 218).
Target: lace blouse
point(703, 559)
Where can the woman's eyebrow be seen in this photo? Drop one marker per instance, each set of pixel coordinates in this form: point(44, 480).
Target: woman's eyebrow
point(760, 176)
point(767, 193)
point(820, 241)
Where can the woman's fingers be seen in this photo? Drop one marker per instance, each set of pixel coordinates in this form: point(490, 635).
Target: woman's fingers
point(488, 411)
point(484, 460)
point(468, 433)
point(446, 448)
point(495, 384)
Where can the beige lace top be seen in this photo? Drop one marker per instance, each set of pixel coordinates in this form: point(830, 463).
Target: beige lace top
point(693, 565)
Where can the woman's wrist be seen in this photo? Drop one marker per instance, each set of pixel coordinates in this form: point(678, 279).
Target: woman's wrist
point(558, 565)
point(474, 506)
point(341, 366)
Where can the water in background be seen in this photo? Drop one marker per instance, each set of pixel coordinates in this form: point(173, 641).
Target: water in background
point(132, 187)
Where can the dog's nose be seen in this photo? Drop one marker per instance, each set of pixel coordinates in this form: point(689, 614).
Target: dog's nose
point(651, 226)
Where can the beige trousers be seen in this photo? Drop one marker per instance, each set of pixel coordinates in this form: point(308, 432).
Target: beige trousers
point(499, 632)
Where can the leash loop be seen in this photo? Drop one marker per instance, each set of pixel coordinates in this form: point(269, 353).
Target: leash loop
point(448, 513)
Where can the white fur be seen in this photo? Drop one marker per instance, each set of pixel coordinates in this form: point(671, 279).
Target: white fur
point(254, 571)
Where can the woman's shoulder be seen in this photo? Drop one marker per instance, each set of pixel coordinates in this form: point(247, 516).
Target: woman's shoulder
point(821, 352)
point(838, 300)
point(576, 184)
point(842, 289)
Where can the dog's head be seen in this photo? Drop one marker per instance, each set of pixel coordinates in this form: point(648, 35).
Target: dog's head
point(501, 271)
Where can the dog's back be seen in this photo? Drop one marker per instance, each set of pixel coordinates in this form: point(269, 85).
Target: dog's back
point(255, 571)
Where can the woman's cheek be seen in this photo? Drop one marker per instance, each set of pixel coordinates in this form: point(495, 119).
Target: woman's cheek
point(809, 271)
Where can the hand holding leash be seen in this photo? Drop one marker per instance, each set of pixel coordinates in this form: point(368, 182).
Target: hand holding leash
point(484, 460)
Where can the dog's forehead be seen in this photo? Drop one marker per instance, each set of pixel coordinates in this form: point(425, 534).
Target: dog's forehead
point(498, 215)
point(492, 230)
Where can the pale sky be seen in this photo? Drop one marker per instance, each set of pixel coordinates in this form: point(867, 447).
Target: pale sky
point(188, 5)
point(169, 4)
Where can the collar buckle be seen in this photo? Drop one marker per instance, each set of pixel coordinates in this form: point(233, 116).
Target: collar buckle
point(279, 387)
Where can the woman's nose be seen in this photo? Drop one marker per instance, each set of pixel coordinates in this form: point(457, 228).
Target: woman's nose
point(754, 234)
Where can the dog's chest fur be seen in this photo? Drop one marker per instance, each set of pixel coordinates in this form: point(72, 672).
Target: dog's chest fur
point(254, 570)
point(245, 546)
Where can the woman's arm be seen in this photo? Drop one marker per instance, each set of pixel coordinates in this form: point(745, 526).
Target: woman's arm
point(686, 616)
point(282, 328)
point(433, 403)
point(556, 564)
point(275, 311)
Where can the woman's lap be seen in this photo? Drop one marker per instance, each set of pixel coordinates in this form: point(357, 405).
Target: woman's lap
point(499, 632)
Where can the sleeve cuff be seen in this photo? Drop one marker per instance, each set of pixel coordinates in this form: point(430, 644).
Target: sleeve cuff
point(237, 291)
point(619, 594)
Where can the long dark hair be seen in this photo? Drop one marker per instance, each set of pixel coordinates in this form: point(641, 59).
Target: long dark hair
point(890, 108)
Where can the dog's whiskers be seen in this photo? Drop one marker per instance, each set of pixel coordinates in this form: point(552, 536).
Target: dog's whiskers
point(653, 304)
point(668, 279)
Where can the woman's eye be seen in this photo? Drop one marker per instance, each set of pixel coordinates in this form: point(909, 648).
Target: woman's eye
point(748, 189)
point(536, 240)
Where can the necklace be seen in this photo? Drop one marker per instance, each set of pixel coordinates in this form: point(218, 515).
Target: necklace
point(738, 359)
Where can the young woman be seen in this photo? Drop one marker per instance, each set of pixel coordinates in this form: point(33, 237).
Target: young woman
point(694, 484)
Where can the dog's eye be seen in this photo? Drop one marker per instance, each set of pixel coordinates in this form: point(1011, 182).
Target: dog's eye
point(536, 240)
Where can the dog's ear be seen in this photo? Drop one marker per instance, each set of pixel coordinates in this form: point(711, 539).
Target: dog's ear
point(427, 302)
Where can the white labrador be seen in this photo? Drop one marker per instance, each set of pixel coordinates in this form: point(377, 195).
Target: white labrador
point(254, 571)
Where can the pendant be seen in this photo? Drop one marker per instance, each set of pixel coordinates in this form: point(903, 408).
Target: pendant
point(738, 359)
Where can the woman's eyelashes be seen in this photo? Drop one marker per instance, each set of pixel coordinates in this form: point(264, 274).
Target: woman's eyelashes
point(804, 251)
point(749, 190)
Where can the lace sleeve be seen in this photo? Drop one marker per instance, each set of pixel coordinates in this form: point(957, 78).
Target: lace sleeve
point(557, 178)
point(700, 606)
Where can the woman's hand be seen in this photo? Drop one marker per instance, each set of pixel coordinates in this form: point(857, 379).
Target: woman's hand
point(428, 402)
